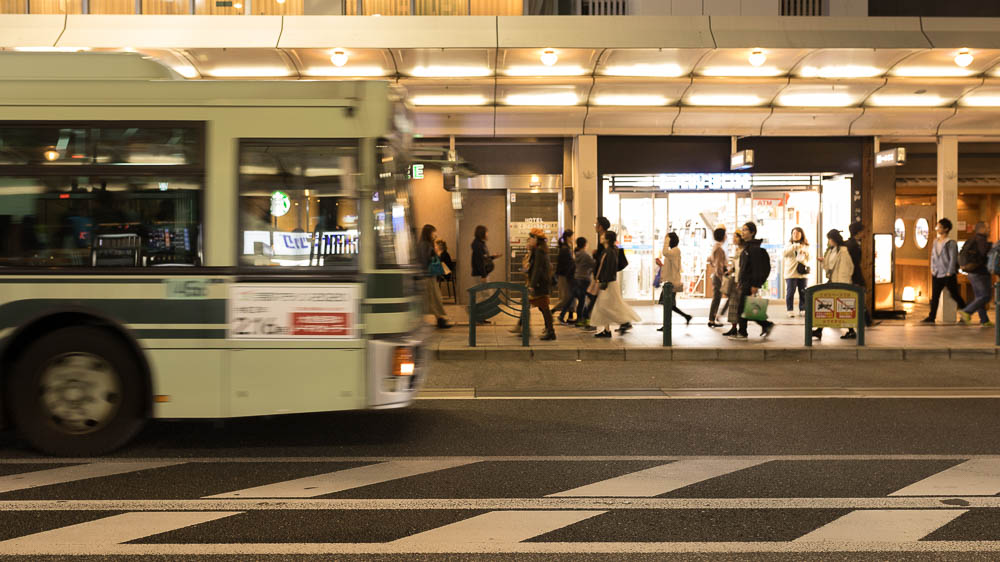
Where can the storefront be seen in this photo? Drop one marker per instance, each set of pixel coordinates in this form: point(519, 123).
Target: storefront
point(685, 188)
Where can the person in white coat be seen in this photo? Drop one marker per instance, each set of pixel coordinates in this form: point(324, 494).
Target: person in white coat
point(670, 271)
point(837, 264)
point(796, 270)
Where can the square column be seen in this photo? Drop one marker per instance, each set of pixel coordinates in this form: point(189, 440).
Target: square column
point(586, 183)
point(947, 204)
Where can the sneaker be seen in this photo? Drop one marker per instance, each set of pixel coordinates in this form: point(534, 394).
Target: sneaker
point(964, 317)
point(443, 324)
point(604, 334)
point(624, 328)
point(738, 337)
point(766, 331)
point(730, 332)
point(850, 335)
point(548, 337)
point(791, 314)
point(927, 320)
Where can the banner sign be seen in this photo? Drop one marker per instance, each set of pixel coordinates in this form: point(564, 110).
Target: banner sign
point(834, 308)
point(293, 312)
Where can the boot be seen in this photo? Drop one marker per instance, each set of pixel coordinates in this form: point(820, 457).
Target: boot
point(443, 324)
point(548, 336)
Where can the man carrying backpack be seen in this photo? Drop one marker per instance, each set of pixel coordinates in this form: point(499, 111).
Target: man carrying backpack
point(972, 260)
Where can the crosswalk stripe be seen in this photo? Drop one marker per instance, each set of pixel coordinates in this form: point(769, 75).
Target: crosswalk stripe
point(114, 530)
point(25, 480)
point(659, 479)
point(332, 482)
point(502, 527)
point(979, 477)
point(883, 525)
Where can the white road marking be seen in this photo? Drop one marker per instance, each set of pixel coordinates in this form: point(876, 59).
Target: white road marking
point(493, 504)
point(65, 474)
point(332, 482)
point(659, 479)
point(113, 530)
point(616, 548)
point(980, 477)
point(499, 527)
point(883, 525)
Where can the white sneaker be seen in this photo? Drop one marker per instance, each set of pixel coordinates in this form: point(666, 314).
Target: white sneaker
point(791, 314)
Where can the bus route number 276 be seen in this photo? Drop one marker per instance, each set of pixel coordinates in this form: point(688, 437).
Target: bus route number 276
point(258, 326)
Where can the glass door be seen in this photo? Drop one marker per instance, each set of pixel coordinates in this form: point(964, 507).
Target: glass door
point(637, 238)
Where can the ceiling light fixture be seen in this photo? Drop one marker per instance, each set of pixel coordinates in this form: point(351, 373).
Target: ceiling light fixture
point(437, 71)
point(981, 101)
point(894, 100)
point(250, 72)
point(725, 99)
point(338, 57)
point(826, 99)
point(841, 71)
point(470, 99)
point(631, 100)
point(757, 57)
point(565, 98)
point(545, 71)
point(964, 58)
point(347, 71)
point(51, 155)
point(668, 70)
point(742, 71)
point(549, 57)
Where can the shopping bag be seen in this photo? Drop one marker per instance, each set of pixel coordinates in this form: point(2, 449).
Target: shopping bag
point(594, 288)
point(435, 268)
point(755, 308)
point(656, 280)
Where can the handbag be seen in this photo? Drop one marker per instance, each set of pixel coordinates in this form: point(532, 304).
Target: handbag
point(488, 264)
point(727, 285)
point(802, 269)
point(435, 268)
point(595, 285)
point(656, 279)
point(755, 308)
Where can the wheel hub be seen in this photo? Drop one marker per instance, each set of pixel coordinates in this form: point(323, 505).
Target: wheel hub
point(80, 392)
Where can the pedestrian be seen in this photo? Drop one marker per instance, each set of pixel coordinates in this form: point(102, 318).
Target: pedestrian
point(446, 261)
point(525, 267)
point(610, 308)
point(857, 231)
point(583, 272)
point(565, 264)
point(540, 279)
point(731, 287)
point(600, 227)
point(974, 264)
point(670, 272)
point(431, 264)
point(755, 267)
point(482, 261)
point(944, 268)
point(717, 264)
point(839, 267)
point(796, 269)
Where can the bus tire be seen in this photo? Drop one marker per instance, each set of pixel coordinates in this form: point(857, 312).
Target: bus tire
point(77, 391)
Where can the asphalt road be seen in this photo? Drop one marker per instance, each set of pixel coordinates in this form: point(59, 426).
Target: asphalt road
point(530, 479)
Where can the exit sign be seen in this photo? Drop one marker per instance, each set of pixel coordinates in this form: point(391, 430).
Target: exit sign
point(417, 172)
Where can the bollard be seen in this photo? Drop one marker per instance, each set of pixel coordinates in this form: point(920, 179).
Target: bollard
point(473, 321)
point(667, 299)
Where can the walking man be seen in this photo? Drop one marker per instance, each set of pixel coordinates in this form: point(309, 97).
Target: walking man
point(857, 230)
point(944, 268)
point(755, 267)
point(974, 265)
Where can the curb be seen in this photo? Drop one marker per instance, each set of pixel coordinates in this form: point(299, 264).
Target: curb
point(717, 354)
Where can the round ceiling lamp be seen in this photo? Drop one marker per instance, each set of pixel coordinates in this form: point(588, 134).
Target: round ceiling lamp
point(964, 58)
point(51, 155)
point(549, 57)
point(757, 57)
point(338, 57)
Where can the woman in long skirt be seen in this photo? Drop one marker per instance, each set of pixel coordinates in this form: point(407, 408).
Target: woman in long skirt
point(733, 297)
point(610, 307)
point(427, 251)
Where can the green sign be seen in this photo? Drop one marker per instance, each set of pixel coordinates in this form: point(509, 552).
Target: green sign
point(280, 203)
point(418, 171)
point(186, 288)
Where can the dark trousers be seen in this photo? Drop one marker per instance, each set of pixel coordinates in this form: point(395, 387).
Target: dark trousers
point(791, 285)
point(713, 310)
point(744, 293)
point(939, 284)
point(542, 304)
point(584, 301)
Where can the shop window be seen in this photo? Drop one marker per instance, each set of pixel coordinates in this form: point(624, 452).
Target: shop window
point(392, 212)
point(274, 8)
point(118, 7)
point(299, 203)
point(56, 6)
point(380, 7)
point(13, 7)
point(497, 7)
point(219, 7)
point(166, 7)
point(899, 233)
point(921, 232)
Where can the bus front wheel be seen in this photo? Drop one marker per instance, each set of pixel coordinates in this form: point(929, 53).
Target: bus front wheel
point(77, 391)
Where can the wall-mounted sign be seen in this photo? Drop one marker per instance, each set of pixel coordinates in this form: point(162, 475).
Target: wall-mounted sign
point(704, 182)
point(418, 172)
point(899, 232)
point(280, 204)
point(922, 232)
point(892, 157)
point(742, 160)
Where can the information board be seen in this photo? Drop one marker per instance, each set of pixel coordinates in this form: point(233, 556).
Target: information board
point(293, 312)
point(834, 308)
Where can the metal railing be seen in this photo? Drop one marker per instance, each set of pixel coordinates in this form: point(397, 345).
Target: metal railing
point(501, 301)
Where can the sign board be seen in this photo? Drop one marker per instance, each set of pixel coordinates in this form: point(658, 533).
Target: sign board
point(418, 171)
point(293, 312)
point(703, 182)
point(834, 308)
point(742, 160)
point(280, 203)
point(890, 158)
point(186, 289)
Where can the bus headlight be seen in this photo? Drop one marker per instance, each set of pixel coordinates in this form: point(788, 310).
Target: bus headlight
point(403, 362)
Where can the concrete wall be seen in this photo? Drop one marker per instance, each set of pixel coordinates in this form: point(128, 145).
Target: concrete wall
point(432, 205)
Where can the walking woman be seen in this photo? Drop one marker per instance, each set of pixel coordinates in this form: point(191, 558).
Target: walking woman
point(670, 272)
point(610, 307)
point(540, 279)
point(732, 306)
point(565, 267)
point(583, 272)
point(839, 267)
point(796, 270)
point(427, 254)
point(482, 261)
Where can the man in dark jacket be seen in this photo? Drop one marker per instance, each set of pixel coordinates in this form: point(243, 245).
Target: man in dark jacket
point(540, 279)
point(755, 267)
point(857, 230)
point(977, 248)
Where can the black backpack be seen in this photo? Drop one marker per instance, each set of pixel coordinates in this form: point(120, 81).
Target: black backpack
point(622, 260)
point(969, 258)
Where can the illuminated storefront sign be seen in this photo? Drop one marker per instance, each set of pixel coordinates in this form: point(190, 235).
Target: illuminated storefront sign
point(891, 157)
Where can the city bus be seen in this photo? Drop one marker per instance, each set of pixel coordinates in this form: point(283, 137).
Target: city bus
point(198, 249)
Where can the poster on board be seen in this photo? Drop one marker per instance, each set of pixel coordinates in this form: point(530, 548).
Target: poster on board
point(293, 312)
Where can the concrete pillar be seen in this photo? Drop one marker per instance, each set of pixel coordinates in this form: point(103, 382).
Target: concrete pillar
point(947, 203)
point(585, 182)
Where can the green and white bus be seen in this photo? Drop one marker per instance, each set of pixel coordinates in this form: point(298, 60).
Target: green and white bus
point(198, 249)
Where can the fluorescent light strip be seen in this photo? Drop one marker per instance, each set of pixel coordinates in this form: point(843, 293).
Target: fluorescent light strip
point(631, 100)
point(51, 49)
point(915, 100)
point(740, 71)
point(563, 99)
point(250, 72)
point(434, 71)
point(474, 99)
point(187, 71)
point(545, 71)
point(346, 71)
point(651, 70)
point(933, 72)
point(841, 71)
point(982, 101)
point(725, 99)
point(828, 99)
